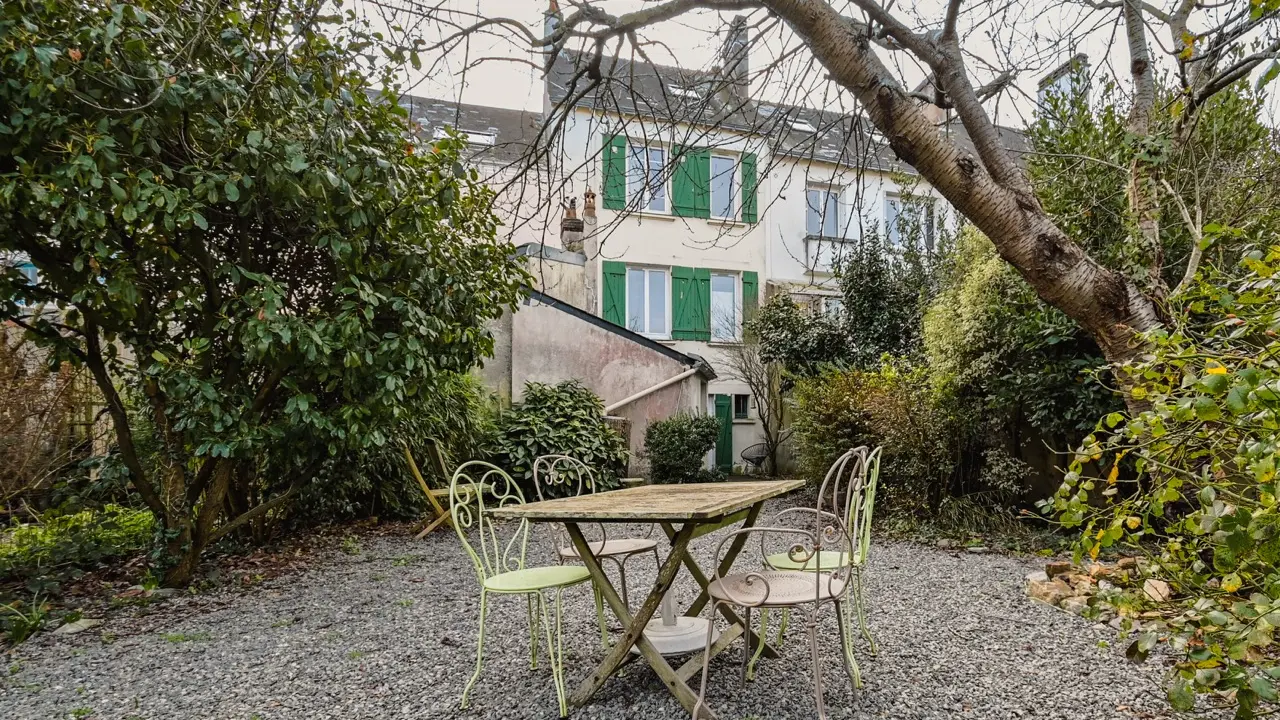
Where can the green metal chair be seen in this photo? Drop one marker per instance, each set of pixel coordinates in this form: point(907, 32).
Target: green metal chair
point(478, 488)
point(863, 467)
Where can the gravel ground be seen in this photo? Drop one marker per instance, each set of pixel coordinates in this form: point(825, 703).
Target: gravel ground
point(388, 632)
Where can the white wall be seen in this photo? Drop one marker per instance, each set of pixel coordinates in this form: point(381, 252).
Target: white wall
point(861, 193)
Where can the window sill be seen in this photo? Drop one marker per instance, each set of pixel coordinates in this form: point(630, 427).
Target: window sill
point(648, 215)
point(728, 222)
point(723, 343)
point(744, 421)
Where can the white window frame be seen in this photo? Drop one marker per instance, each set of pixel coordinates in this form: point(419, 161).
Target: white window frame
point(647, 269)
point(735, 186)
point(646, 201)
point(737, 306)
point(891, 230)
point(833, 193)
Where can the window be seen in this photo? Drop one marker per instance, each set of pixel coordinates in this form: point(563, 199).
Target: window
point(645, 185)
point(909, 218)
point(724, 187)
point(832, 307)
point(724, 307)
point(822, 214)
point(473, 137)
point(682, 91)
point(803, 126)
point(647, 301)
point(740, 407)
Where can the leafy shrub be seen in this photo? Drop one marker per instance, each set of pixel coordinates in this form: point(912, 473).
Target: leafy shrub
point(567, 419)
point(1191, 481)
point(677, 448)
point(932, 448)
point(375, 481)
point(992, 345)
point(60, 545)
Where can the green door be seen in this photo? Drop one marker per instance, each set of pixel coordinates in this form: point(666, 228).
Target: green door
point(724, 444)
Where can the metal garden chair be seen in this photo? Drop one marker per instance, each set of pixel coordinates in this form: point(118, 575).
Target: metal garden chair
point(577, 478)
point(858, 518)
point(478, 488)
point(810, 573)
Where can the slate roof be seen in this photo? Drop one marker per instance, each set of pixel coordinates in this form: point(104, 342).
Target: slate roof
point(657, 91)
point(511, 130)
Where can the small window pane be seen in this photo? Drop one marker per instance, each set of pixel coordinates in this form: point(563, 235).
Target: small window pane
point(831, 218)
point(724, 307)
point(657, 188)
point(741, 410)
point(813, 212)
point(636, 173)
point(657, 302)
point(635, 300)
point(723, 187)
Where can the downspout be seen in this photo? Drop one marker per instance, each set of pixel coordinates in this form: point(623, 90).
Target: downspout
point(648, 391)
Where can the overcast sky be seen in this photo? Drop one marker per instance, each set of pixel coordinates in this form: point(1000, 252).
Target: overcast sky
point(1032, 35)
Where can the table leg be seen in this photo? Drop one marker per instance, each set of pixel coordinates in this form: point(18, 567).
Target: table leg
point(726, 564)
point(634, 632)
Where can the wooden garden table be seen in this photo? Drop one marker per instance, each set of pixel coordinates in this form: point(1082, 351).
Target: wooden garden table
point(684, 512)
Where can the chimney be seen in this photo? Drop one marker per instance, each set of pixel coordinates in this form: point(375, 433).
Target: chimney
point(733, 58)
point(590, 248)
point(571, 228)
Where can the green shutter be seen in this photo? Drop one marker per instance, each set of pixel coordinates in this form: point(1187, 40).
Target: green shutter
point(748, 187)
point(724, 443)
point(682, 304)
point(701, 305)
point(614, 157)
point(691, 182)
point(750, 293)
point(615, 292)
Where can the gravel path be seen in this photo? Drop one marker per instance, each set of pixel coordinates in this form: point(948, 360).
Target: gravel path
point(388, 632)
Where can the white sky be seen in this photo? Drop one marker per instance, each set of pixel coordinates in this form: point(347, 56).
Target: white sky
point(1034, 35)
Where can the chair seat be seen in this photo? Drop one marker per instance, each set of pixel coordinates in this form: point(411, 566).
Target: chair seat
point(613, 548)
point(785, 588)
point(537, 578)
point(826, 560)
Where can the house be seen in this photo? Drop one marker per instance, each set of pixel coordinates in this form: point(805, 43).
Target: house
point(708, 202)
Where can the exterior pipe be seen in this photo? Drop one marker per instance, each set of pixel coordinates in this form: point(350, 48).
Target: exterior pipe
point(648, 391)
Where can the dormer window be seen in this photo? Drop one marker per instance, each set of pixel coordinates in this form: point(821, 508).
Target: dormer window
point(682, 91)
point(803, 126)
point(474, 137)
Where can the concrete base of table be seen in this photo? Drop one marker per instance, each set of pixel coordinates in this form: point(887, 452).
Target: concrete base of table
point(687, 635)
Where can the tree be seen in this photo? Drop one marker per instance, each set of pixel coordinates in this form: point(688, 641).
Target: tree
point(1208, 46)
point(248, 252)
point(747, 364)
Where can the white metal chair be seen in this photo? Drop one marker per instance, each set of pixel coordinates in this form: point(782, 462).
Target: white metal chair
point(812, 572)
point(574, 477)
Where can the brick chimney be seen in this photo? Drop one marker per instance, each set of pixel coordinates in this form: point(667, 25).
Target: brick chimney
point(571, 228)
point(734, 58)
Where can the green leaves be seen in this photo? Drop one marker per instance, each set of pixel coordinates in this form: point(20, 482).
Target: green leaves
point(289, 285)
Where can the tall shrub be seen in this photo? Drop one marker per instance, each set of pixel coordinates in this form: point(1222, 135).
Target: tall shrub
point(677, 448)
point(562, 419)
point(218, 192)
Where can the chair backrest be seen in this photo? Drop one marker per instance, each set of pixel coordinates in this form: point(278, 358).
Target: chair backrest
point(562, 471)
point(871, 467)
point(478, 488)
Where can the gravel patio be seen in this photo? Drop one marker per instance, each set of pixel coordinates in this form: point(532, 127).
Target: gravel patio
point(387, 631)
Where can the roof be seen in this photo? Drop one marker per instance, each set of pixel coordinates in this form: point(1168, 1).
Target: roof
point(502, 136)
point(704, 97)
point(693, 361)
